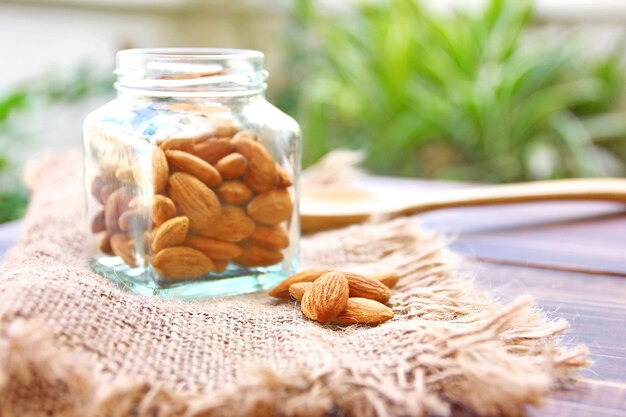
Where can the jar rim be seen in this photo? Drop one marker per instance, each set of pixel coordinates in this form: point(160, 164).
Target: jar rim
point(193, 72)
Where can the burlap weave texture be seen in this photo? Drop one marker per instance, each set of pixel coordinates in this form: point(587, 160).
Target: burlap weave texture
point(73, 344)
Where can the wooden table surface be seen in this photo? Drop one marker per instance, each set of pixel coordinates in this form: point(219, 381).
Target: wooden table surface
point(570, 256)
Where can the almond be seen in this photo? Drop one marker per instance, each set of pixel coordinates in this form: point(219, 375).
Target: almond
point(296, 291)
point(132, 220)
point(182, 144)
point(96, 187)
point(233, 225)
point(195, 166)
point(257, 256)
point(195, 200)
point(162, 209)
point(234, 192)
point(181, 262)
point(213, 248)
point(363, 311)
point(232, 166)
point(271, 208)
point(107, 190)
point(104, 245)
point(270, 237)
point(97, 223)
point(125, 175)
point(116, 204)
point(223, 128)
point(389, 279)
point(173, 232)
point(214, 149)
point(160, 170)
point(260, 175)
point(309, 275)
point(220, 266)
point(124, 247)
point(327, 297)
point(283, 180)
point(364, 287)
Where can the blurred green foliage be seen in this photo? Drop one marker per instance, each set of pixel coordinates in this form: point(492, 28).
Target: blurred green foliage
point(469, 95)
point(50, 90)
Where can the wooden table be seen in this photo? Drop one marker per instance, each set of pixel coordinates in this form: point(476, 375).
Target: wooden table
point(570, 256)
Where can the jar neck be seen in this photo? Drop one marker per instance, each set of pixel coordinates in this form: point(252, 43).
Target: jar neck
point(190, 74)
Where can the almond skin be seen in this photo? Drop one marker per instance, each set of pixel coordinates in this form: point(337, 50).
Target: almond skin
point(104, 245)
point(296, 291)
point(309, 275)
point(195, 200)
point(271, 208)
point(160, 170)
point(116, 204)
point(232, 166)
point(163, 209)
point(131, 220)
point(213, 248)
point(97, 223)
point(181, 144)
point(283, 180)
point(270, 237)
point(365, 287)
point(107, 190)
point(363, 311)
point(389, 279)
point(327, 297)
point(256, 256)
point(195, 166)
point(173, 232)
point(260, 175)
point(214, 149)
point(181, 262)
point(125, 175)
point(124, 247)
point(223, 127)
point(232, 226)
point(234, 192)
point(96, 187)
point(220, 266)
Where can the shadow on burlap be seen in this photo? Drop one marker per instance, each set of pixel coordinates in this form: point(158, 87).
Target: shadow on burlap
point(72, 344)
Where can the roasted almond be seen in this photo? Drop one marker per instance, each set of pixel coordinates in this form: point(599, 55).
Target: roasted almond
point(214, 248)
point(271, 237)
point(124, 247)
point(309, 275)
point(365, 287)
point(389, 279)
point(195, 200)
point(107, 190)
point(363, 311)
point(125, 175)
point(104, 245)
point(160, 170)
point(257, 256)
point(116, 204)
point(214, 149)
point(232, 166)
point(283, 180)
point(326, 298)
point(234, 192)
point(296, 291)
point(195, 166)
point(232, 226)
point(186, 144)
point(132, 219)
point(271, 208)
point(223, 128)
point(162, 209)
point(220, 266)
point(173, 232)
point(181, 262)
point(260, 175)
point(96, 187)
point(97, 223)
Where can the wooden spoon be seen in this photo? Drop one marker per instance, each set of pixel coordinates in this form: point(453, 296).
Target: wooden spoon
point(333, 207)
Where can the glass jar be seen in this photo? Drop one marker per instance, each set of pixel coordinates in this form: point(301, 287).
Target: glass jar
point(192, 176)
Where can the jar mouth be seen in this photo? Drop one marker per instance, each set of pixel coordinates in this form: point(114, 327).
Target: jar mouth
point(192, 72)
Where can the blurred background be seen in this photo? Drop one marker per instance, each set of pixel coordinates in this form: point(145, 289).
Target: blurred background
point(493, 91)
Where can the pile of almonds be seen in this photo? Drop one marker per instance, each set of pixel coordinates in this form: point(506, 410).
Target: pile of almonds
point(344, 298)
point(217, 198)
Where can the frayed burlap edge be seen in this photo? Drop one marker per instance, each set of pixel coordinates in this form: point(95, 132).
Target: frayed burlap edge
point(464, 340)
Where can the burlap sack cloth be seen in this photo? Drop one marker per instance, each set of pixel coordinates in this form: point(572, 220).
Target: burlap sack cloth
point(72, 344)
